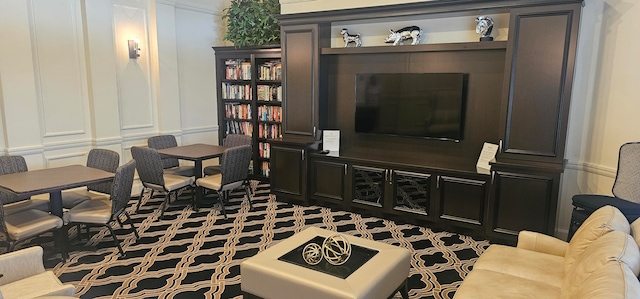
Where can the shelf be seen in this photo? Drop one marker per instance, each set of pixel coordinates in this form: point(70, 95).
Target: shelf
point(494, 45)
point(269, 82)
point(238, 119)
point(232, 101)
point(272, 103)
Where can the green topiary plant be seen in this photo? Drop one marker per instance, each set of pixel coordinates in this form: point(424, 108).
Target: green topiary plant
point(252, 22)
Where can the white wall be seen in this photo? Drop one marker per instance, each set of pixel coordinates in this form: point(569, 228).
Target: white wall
point(604, 104)
point(67, 83)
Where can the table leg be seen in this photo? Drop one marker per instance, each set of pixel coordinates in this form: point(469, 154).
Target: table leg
point(197, 169)
point(62, 238)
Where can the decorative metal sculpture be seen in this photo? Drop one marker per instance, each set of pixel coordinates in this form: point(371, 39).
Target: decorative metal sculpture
point(336, 249)
point(350, 38)
point(312, 254)
point(411, 32)
point(484, 28)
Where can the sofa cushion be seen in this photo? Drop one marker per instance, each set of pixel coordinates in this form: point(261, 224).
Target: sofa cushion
point(635, 231)
point(47, 285)
point(615, 246)
point(523, 263)
point(481, 284)
point(599, 223)
point(614, 280)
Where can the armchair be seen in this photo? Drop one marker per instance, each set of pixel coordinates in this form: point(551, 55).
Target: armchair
point(24, 276)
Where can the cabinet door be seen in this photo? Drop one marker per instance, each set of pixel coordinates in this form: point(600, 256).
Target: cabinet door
point(369, 185)
point(538, 77)
point(289, 173)
point(462, 200)
point(523, 201)
point(301, 73)
point(412, 192)
point(328, 181)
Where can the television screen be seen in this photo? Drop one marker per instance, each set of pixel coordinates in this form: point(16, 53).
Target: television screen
point(428, 105)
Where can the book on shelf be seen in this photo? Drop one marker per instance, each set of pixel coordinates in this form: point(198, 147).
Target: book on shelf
point(269, 131)
point(238, 111)
point(270, 70)
point(270, 113)
point(237, 69)
point(239, 127)
point(232, 91)
point(264, 150)
point(269, 93)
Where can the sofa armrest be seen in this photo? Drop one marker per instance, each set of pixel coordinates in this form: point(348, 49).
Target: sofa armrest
point(20, 264)
point(541, 243)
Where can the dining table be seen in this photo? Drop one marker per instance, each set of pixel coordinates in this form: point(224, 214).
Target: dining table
point(52, 180)
point(197, 153)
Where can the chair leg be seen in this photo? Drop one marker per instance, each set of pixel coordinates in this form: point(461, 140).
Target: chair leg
point(222, 196)
point(115, 239)
point(246, 189)
point(165, 204)
point(140, 200)
point(135, 231)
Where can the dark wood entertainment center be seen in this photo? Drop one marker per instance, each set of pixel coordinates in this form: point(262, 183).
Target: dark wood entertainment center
point(518, 96)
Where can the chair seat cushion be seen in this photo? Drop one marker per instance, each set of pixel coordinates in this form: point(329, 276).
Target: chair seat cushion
point(592, 202)
point(175, 182)
point(212, 169)
point(532, 265)
point(42, 284)
point(41, 204)
point(29, 223)
point(91, 211)
point(71, 198)
point(481, 284)
point(214, 182)
point(180, 170)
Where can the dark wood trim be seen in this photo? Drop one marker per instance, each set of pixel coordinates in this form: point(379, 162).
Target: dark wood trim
point(472, 46)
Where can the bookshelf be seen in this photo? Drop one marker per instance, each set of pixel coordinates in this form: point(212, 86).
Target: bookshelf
point(249, 90)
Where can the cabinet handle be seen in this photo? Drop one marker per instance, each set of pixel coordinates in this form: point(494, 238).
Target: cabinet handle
point(438, 182)
point(500, 146)
point(493, 177)
point(345, 170)
point(391, 177)
point(386, 175)
point(302, 151)
point(314, 131)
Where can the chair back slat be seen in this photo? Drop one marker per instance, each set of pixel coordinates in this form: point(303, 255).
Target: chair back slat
point(9, 165)
point(149, 165)
point(106, 160)
point(235, 164)
point(627, 182)
point(121, 187)
point(162, 142)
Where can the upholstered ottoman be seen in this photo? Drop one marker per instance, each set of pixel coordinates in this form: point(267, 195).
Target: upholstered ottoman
point(268, 275)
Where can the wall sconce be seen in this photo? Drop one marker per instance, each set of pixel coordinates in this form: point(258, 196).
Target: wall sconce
point(134, 50)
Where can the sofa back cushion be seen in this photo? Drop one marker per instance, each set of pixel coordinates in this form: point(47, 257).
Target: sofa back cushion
point(614, 246)
point(614, 280)
point(599, 223)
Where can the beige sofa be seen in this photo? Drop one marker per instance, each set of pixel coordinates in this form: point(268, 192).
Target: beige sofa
point(24, 276)
point(602, 260)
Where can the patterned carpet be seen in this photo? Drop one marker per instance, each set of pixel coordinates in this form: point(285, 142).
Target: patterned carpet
point(198, 254)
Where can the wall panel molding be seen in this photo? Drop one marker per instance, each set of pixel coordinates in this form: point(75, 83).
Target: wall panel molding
point(60, 73)
point(593, 168)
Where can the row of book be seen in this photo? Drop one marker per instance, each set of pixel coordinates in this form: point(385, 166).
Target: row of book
point(236, 91)
point(237, 111)
point(269, 131)
point(271, 70)
point(237, 69)
point(269, 93)
point(266, 169)
point(239, 127)
point(264, 150)
point(269, 113)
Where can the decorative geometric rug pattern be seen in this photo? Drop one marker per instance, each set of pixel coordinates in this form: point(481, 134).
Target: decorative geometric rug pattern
point(191, 254)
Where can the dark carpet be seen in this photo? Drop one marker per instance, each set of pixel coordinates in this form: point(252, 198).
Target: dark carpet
point(191, 254)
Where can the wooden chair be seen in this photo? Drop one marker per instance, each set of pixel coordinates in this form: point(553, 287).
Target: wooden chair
point(170, 165)
point(152, 176)
point(234, 166)
point(104, 211)
point(12, 204)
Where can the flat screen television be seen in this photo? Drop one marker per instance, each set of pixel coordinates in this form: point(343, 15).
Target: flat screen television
point(426, 105)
